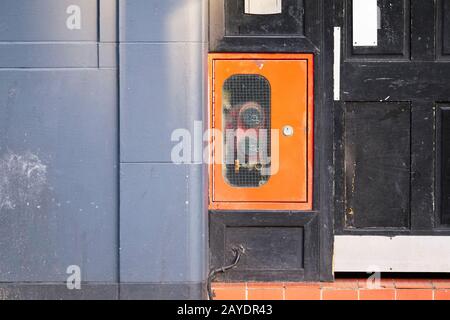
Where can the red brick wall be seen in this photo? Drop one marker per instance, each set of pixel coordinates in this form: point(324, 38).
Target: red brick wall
point(341, 289)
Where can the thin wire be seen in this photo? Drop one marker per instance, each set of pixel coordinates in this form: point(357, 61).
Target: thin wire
point(212, 275)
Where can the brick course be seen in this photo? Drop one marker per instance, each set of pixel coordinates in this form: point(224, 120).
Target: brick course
point(341, 289)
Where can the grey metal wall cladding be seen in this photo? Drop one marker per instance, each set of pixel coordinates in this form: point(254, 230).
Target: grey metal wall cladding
point(163, 215)
point(49, 55)
point(58, 183)
point(46, 20)
point(162, 228)
point(162, 91)
point(58, 141)
point(57, 33)
point(59, 137)
point(162, 21)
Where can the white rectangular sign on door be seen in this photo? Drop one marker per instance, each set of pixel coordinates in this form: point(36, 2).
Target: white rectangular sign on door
point(262, 6)
point(365, 23)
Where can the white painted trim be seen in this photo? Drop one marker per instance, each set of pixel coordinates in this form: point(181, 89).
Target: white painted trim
point(337, 64)
point(392, 254)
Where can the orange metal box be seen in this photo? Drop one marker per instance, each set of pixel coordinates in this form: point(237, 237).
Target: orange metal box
point(261, 116)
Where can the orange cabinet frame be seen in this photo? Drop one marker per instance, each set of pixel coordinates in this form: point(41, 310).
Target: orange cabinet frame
point(267, 101)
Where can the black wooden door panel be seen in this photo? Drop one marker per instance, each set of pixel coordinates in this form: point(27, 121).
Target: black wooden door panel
point(395, 81)
point(443, 29)
point(392, 125)
point(444, 181)
point(377, 153)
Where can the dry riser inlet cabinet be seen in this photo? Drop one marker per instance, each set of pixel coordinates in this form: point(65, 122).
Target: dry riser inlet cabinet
point(261, 116)
point(271, 136)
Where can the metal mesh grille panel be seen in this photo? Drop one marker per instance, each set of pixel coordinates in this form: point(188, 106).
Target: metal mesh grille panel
point(246, 108)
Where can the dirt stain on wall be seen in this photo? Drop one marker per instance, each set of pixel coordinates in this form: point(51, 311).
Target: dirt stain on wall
point(23, 178)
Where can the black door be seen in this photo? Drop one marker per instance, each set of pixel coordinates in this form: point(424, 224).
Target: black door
point(392, 122)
